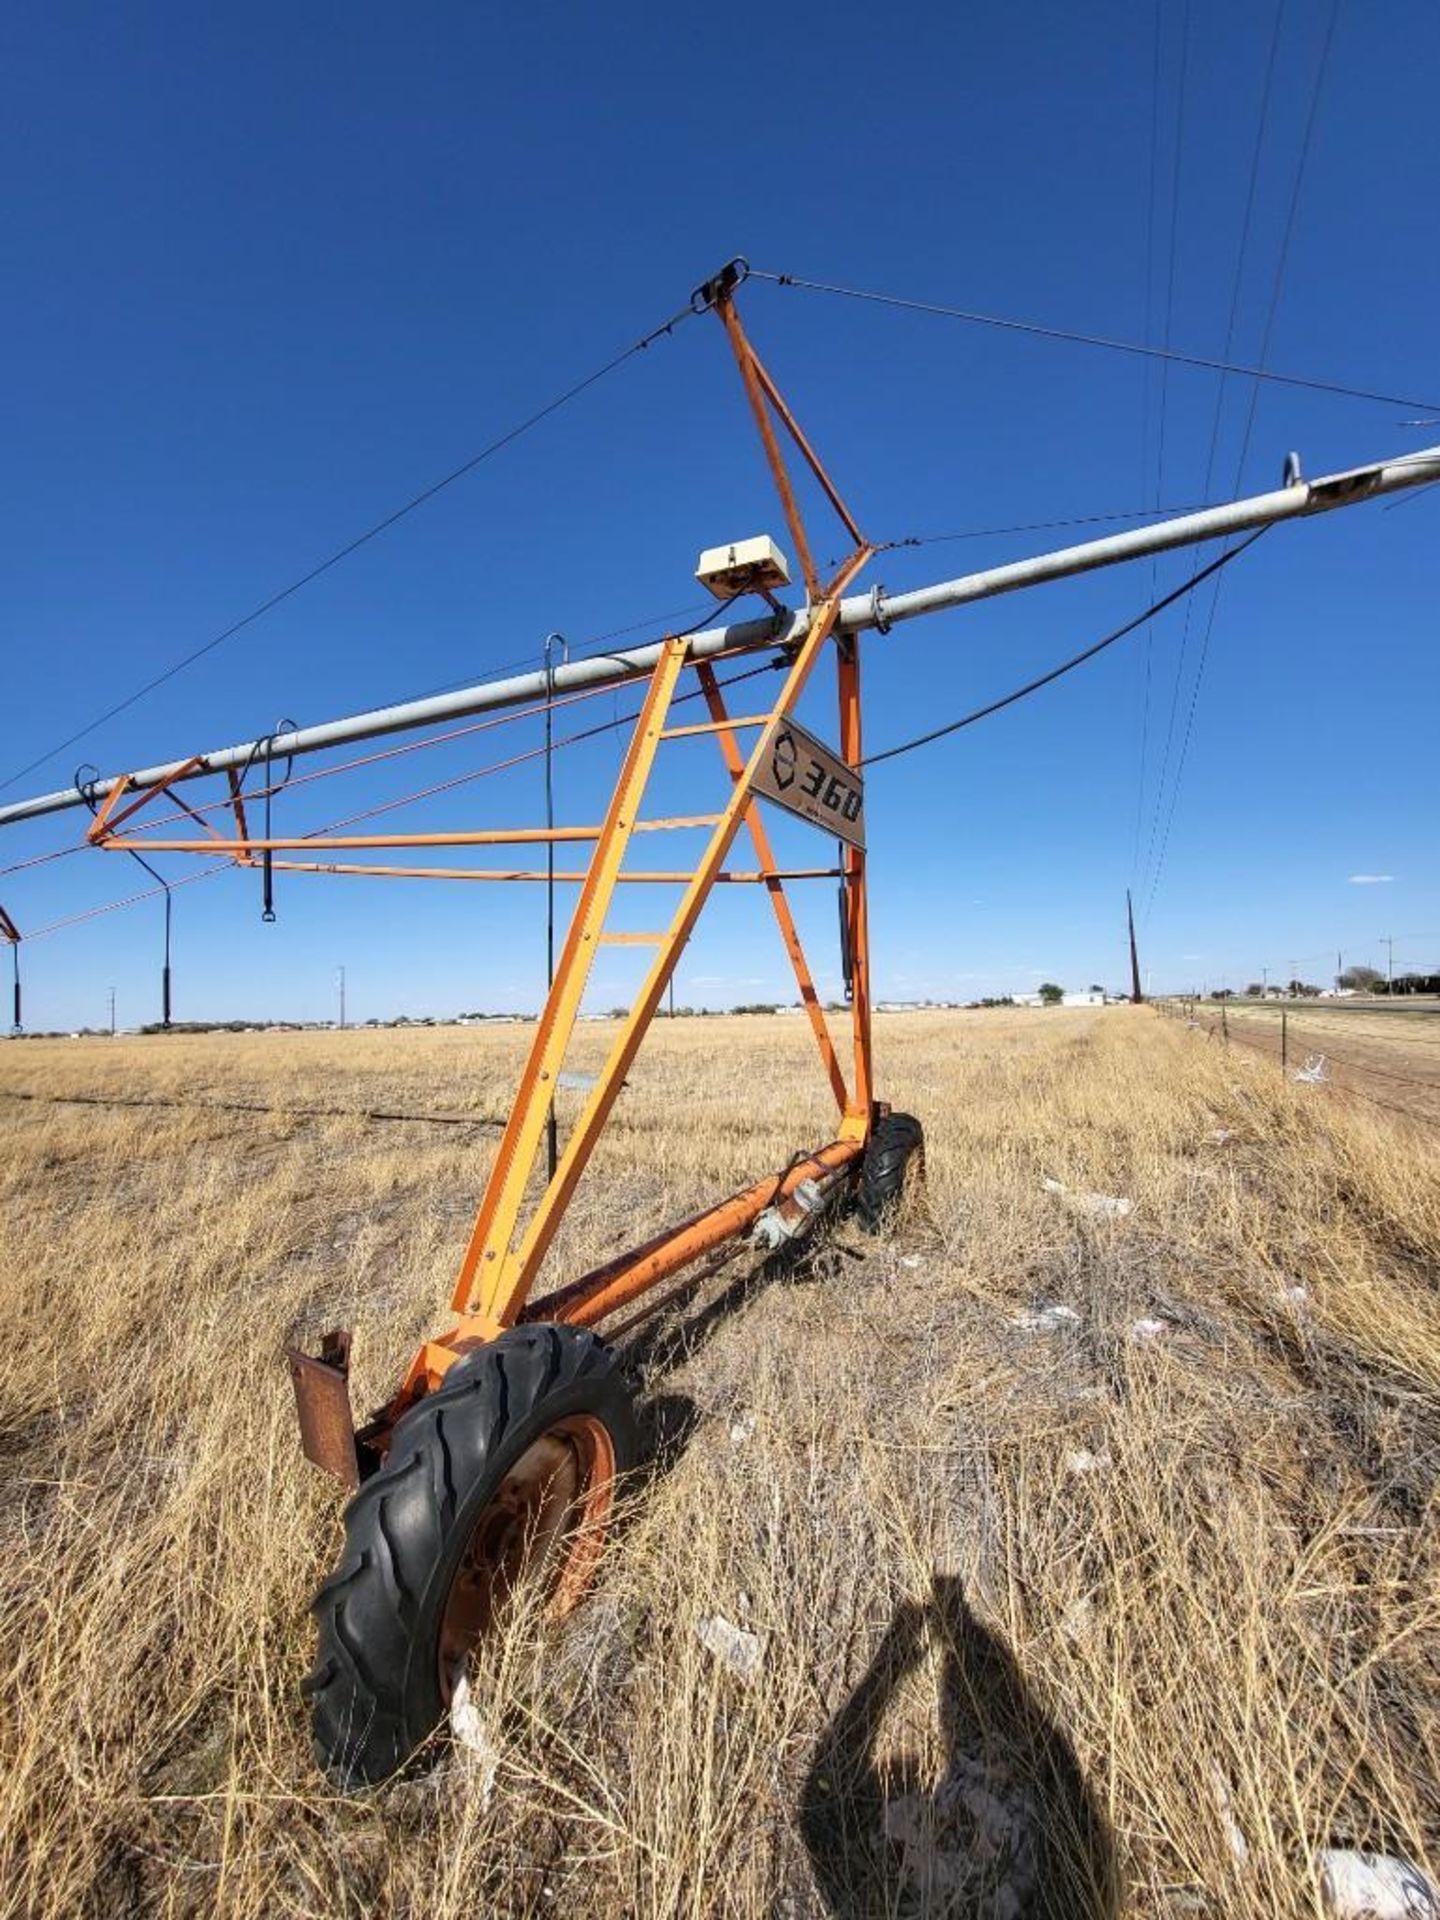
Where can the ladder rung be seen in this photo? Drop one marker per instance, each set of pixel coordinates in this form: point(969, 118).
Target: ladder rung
point(633, 939)
point(717, 726)
point(672, 821)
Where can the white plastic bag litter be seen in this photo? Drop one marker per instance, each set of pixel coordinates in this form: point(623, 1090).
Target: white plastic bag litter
point(1100, 1206)
point(733, 1646)
point(1313, 1073)
point(1238, 1844)
point(1147, 1330)
point(474, 1743)
point(1375, 1886)
point(1082, 1460)
point(1046, 1319)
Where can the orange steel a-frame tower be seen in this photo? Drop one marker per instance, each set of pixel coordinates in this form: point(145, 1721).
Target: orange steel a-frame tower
point(514, 1230)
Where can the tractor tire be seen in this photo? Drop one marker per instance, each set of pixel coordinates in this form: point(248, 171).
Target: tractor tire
point(896, 1146)
point(505, 1473)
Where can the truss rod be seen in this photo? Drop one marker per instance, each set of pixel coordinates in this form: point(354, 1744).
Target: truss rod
point(1299, 500)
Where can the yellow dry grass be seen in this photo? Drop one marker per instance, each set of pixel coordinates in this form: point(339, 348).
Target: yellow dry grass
point(1108, 1624)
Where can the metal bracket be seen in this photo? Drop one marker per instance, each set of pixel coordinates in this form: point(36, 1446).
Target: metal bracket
point(322, 1400)
point(733, 274)
point(879, 619)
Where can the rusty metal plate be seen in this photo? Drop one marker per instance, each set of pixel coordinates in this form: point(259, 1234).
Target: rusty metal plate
point(801, 774)
point(322, 1400)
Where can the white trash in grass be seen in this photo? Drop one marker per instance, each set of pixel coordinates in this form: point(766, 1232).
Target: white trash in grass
point(1078, 1620)
point(1313, 1073)
point(1220, 1136)
point(971, 1846)
point(1375, 1886)
point(1082, 1460)
point(474, 1742)
point(742, 1429)
point(1148, 1329)
point(1099, 1206)
point(1046, 1319)
point(731, 1645)
point(1239, 1846)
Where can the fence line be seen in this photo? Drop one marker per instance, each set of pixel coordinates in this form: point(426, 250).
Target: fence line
point(1279, 1040)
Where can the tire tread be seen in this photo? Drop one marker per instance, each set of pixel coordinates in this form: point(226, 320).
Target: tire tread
point(368, 1710)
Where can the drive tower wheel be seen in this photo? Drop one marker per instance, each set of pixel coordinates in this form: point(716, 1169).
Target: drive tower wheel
point(894, 1157)
point(504, 1475)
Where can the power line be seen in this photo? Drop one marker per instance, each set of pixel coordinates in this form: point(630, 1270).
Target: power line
point(1230, 325)
point(418, 500)
point(1281, 264)
point(1145, 384)
point(1067, 666)
point(1074, 338)
point(1165, 364)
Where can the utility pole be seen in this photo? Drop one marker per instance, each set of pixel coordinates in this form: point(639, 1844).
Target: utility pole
point(1264, 983)
point(1136, 996)
point(112, 1013)
point(1388, 942)
point(340, 983)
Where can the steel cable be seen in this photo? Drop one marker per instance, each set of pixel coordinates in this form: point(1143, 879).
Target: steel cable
point(391, 519)
point(1067, 666)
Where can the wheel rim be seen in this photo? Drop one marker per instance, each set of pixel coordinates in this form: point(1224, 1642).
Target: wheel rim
point(543, 1525)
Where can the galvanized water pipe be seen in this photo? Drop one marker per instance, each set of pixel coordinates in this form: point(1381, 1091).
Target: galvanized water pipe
point(1299, 500)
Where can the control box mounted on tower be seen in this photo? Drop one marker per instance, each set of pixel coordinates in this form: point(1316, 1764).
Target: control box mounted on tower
point(745, 566)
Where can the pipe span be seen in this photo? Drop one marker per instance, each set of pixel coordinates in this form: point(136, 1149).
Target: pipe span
point(1302, 500)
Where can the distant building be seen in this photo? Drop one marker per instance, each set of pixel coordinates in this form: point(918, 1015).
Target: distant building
point(1087, 998)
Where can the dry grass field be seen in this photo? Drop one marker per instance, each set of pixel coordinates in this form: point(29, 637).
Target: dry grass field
point(1128, 1609)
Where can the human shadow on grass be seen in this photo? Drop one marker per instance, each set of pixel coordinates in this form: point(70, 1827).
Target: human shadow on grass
point(1009, 1830)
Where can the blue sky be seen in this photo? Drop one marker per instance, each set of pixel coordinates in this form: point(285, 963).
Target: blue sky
point(271, 270)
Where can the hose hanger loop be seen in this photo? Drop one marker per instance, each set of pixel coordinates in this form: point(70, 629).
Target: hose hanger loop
point(272, 787)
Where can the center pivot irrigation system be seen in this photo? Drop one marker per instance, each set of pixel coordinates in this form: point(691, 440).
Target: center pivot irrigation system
point(496, 1459)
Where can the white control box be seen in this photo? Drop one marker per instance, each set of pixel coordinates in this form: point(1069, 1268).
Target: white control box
point(745, 566)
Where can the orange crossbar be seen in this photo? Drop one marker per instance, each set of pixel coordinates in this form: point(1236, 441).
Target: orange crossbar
point(571, 877)
point(715, 726)
point(359, 842)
